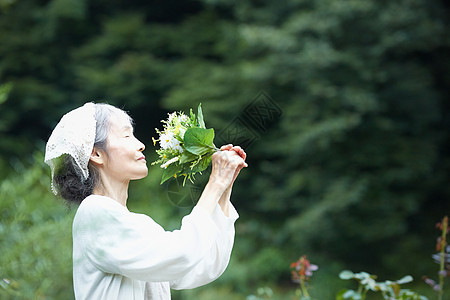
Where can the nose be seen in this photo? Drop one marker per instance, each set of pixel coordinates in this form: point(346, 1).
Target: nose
point(141, 146)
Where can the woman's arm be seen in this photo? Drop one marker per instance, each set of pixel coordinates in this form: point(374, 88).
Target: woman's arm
point(116, 241)
point(216, 260)
point(224, 201)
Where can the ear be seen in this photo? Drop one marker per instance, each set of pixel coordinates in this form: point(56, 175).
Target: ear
point(97, 156)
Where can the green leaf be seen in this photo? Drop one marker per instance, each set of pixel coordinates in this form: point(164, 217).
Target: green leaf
point(192, 116)
point(199, 141)
point(406, 279)
point(350, 294)
point(201, 122)
point(202, 164)
point(339, 295)
point(170, 171)
point(5, 89)
point(187, 157)
point(363, 276)
point(345, 275)
point(347, 294)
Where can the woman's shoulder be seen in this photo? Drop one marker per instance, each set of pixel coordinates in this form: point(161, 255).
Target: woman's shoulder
point(96, 207)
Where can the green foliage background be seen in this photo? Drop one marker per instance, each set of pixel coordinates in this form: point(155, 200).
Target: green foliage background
point(354, 173)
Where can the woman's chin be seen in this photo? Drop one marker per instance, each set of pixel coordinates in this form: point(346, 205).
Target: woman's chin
point(140, 175)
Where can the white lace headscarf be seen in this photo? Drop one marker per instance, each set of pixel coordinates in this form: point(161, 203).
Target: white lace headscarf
point(73, 135)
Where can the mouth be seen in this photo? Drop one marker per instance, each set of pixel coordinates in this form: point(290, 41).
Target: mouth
point(142, 158)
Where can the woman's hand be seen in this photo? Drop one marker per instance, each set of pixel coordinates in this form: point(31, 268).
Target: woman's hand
point(226, 165)
point(241, 153)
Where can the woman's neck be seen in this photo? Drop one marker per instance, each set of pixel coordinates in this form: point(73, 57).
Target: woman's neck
point(116, 190)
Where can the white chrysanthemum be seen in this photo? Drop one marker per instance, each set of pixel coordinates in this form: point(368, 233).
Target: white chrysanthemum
point(179, 148)
point(166, 139)
point(170, 161)
point(175, 144)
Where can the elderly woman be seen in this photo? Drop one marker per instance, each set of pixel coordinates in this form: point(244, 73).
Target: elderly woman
point(118, 254)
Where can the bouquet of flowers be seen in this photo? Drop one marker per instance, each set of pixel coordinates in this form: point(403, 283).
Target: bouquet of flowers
point(186, 146)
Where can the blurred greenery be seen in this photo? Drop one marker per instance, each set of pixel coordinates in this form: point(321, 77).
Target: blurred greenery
point(352, 170)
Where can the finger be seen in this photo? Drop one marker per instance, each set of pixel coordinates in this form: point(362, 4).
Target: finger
point(243, 154)
point(231, 156)
point(236, 149)
point(225, 156)
point(240, 152)
point(240, 162)
point(242, 165)
point(226, 147)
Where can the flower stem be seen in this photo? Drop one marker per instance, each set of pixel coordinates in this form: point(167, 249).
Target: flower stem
point(361, 291)
point(303, 288)
point(443, 245)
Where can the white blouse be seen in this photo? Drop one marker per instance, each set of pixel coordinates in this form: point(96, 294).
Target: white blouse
point(118, 254)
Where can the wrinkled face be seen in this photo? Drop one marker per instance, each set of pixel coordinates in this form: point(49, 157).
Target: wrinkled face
point(125, 160)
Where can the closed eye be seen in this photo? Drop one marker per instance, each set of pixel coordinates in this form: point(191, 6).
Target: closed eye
point(128, 131)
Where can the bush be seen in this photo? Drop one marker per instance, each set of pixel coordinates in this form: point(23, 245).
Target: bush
point(36, 247)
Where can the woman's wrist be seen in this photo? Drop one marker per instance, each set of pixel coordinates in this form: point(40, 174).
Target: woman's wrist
point(218, 183)
point(224, 201)
point(211, 195)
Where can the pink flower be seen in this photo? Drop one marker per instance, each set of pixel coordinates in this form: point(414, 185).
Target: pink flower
point(302, 269)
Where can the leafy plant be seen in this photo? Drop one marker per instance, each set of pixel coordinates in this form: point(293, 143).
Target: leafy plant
point(442, 258)
point(390, 290)
point(35, 239)
point(301, 271)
